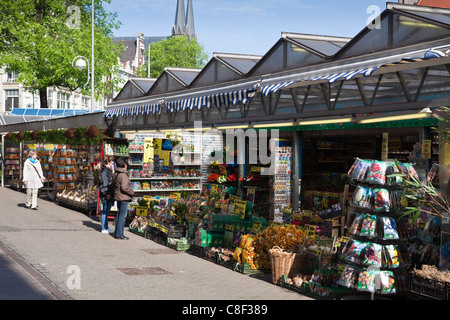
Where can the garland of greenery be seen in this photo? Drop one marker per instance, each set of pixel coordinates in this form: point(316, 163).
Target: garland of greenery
point(56, 136)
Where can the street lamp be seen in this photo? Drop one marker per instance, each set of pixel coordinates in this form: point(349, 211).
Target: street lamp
point(80, 64)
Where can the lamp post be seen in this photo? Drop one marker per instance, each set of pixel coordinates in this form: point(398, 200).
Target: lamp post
point(81, 61)
point(80, 64)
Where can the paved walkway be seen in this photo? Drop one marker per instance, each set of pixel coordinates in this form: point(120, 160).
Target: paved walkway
point(58, 253)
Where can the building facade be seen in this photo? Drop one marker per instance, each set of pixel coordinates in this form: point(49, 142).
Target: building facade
point(14, 95)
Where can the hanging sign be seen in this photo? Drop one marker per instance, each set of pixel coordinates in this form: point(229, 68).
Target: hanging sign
point(148, 150)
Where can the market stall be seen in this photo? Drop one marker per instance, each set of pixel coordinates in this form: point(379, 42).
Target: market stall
point(67, 157)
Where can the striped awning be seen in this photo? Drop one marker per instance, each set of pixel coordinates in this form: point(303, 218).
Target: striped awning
point(266, 90)
point(216, 99)
point(366, 72)
point(133, 110)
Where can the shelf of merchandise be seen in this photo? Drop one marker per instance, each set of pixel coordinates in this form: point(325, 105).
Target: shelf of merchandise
point(281, 190)
point(332, 156)
point(377, 245)
point(13, 163)
point(167, 178)
point(142, 169)
point(71, 168)
point(167, 190)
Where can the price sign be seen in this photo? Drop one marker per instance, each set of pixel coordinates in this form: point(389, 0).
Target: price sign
point(163, 229)
point(141, 211)
point(239, 208)
point(256, 226)
point(426, 149)
point(148, 150)
point(229, 227)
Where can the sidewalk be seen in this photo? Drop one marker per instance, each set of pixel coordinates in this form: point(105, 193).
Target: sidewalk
point(58, 253)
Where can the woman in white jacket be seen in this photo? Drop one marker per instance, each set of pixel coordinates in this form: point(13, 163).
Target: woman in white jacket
point(33, 179)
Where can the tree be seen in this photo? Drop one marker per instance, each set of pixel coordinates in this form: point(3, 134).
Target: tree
point(40, 38)
point(179, 51)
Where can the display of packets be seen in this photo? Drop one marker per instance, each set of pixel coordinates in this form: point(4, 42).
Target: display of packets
point(373, 254)
point(369, 280)
point(378, 172)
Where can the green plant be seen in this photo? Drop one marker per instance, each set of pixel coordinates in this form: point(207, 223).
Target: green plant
point(424, 197)
point(444, 132)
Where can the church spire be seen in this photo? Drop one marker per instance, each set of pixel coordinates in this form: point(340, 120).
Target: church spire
point(179, 27)
point(190, 28)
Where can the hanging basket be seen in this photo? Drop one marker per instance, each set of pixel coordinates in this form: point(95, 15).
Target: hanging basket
point(92, 132)
point(69, 134)
point(34, 134)
point(20, 135)
point(8, 136)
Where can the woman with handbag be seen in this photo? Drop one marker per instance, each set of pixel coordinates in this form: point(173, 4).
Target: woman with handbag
point(33, 179)
point(106, 187)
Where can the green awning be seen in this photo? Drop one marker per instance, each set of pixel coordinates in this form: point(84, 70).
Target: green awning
point(426, 122)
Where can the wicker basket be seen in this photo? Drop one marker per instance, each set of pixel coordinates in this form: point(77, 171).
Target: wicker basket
point(282, 262)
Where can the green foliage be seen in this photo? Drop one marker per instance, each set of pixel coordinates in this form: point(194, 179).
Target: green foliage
point(422, 197)
point(39, 39)
point(56, 136)
point(444, 116)
point(179, 51)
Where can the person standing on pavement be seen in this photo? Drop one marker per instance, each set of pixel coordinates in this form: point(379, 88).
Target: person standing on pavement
point(106, 187)
point(33, 179)
point(123, 194)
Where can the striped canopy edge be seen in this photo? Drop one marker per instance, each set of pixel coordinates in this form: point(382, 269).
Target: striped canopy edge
point(366, 72)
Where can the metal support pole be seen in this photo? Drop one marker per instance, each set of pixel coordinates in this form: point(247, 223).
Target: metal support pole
point(92, 58)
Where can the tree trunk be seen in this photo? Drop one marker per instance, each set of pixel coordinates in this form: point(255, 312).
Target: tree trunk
point(43, 98)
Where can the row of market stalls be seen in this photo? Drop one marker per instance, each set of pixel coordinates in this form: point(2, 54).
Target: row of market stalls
point(252, 153)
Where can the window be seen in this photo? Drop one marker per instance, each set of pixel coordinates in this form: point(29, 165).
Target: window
point(85, 102)
point(12, 76)
point(11, 99)
point(50, 99)
point(76, 101)
point(62, 100)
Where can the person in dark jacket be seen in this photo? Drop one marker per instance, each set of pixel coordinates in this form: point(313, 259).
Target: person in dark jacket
point(123, 194)
point(106, 187)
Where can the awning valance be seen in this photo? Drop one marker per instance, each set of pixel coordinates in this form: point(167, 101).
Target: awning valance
point(133, 110)
point(215, 99)
point(348, 75)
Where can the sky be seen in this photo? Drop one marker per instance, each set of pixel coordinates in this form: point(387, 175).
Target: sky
point(247, 26)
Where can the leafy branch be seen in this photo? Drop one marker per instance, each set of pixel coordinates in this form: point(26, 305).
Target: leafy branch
point(424, 196)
